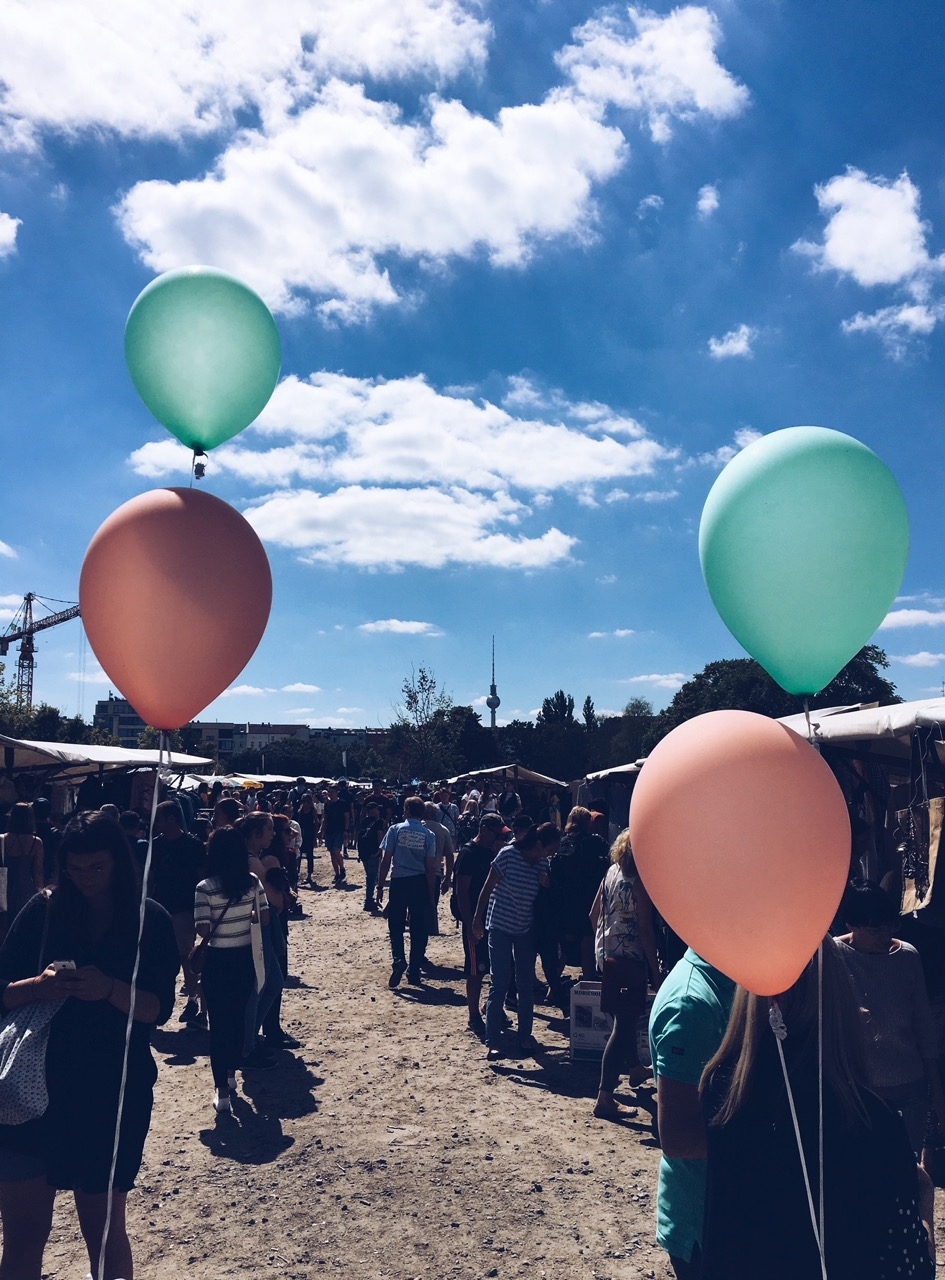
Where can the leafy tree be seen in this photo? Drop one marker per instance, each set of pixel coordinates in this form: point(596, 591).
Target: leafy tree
point(741, 684)
point(558, 709)
point(589, 715)
point(423, 740)
point(639, 707)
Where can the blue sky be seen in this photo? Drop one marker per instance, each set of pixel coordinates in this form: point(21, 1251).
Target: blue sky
point(539, 270)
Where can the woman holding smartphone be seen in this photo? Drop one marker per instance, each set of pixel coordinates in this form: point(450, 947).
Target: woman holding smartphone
point(89, 918)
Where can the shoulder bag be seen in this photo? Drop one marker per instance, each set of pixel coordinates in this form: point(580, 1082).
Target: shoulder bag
point(24, 1035)
point(200, 950)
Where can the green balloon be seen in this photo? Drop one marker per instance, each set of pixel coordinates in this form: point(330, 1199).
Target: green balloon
point(203, 352)
point(804, 541)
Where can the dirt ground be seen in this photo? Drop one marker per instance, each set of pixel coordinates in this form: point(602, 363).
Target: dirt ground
point(386, 1146)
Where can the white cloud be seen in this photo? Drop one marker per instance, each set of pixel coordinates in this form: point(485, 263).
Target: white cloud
point(665, 68)
point(350, 711)
point(395, 626)
point(368, 431)
point(674, 680)
point(314, 204)
point(900, 618)
point(300, 711)
point(620, 634)
point(720, 457)
point(246, 690)
point(90, 677)
point(7, 550)
point(450, 461)
point(923, 659)
point(651, 203)
point(395, 528)
point(737, 342)
point(299, 687)
point(875, 235)
point(897, 324)
point(145, 70)
point(334, 184)
point(707, 201)
point(873, 232)
point(8, 229)
point(607, 580)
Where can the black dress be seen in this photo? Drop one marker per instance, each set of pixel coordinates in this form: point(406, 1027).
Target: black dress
point(757, 1220)
point(86, 1045)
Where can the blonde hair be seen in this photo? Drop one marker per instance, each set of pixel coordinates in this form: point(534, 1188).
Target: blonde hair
point(844, 1048)
point(579, 821)
point(622, 854)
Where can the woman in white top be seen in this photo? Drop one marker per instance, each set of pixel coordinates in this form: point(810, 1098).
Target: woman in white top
point(225, 905)
point(625, 944)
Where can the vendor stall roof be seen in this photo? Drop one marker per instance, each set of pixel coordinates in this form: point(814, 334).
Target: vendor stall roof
point(65, 759)
point(849, 724)
point(615, 771)
point(517, 772)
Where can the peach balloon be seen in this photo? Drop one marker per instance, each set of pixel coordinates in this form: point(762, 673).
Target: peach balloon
point(741, 835)
point(175, 595)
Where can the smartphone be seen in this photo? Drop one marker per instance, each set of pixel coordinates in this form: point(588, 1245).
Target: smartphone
point(62, 964)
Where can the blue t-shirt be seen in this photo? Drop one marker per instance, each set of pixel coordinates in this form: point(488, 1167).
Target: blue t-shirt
point(687, 1024)
point(412, 844)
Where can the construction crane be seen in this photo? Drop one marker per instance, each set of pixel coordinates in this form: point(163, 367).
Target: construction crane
point(23, 627)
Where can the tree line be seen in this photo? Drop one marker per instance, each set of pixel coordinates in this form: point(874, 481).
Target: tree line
point(431, 737)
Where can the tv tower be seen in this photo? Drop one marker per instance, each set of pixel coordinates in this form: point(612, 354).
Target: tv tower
point(493, 701)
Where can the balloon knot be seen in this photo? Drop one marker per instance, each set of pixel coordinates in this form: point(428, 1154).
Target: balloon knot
point(776, 1020)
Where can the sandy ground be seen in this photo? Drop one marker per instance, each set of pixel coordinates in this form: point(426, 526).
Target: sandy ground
point(387, 1146)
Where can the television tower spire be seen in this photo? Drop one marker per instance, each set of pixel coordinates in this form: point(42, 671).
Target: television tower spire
point(493, 701)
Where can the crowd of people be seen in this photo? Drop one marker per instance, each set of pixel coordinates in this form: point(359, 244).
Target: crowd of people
point(737, 1104)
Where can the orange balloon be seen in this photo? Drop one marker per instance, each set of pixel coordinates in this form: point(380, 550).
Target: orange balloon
point(175, 595)
point(741, 835)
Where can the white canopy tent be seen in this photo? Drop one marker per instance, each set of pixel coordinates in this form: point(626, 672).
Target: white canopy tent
point(62, 761)
point(517, 772)
point(875, 730)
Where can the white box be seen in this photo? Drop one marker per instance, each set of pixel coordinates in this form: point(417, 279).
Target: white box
point(590, 1029)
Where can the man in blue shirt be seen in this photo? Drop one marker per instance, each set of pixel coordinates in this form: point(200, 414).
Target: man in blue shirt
point(410, 855)
point(687, 1023)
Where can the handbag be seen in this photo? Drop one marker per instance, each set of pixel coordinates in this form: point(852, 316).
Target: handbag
point(24, 1035)
point(256, 939)
point(200, 950)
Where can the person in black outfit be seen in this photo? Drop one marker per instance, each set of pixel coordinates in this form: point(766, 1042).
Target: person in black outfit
point(178, 864)
point(580, 865)
point(757, 1215)
point(471, 873)
point(91, 918)
point(370, 834)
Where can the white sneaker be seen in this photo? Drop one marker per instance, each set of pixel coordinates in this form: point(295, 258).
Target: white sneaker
point(221, 1103)
point(231, 1081)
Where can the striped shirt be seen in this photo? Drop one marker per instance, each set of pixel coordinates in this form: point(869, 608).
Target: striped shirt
point(511, 906)
point(209, 903)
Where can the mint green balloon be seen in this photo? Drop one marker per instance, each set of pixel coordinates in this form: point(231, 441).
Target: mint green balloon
point(804, 541)
point(204, 354)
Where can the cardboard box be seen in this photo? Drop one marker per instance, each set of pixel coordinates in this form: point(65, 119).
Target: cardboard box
point(590, 1029)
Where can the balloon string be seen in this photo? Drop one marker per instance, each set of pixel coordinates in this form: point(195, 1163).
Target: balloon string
point(820, 1086)
point(776, 1021)
point(133, 988)
point(810, 731)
